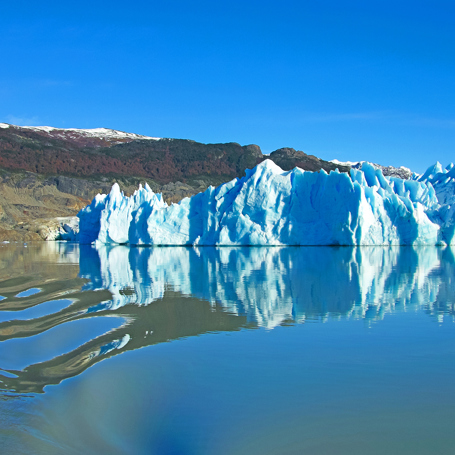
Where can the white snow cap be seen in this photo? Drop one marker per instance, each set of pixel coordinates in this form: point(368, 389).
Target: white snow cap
point(102, 133)
point(345, 163)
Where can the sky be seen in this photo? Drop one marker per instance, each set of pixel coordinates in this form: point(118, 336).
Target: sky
point(352, 80)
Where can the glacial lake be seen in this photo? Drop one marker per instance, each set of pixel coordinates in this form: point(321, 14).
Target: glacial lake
point(176, 351)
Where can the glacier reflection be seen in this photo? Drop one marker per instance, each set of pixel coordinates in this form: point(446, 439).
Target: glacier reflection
point(162, 294)
point(272, 286)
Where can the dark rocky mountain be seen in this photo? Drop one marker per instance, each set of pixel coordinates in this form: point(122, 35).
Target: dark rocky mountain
point(85, 154)
point(48, 172)
point(288, 158)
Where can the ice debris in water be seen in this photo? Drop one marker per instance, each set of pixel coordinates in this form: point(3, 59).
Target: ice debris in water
point(272, 207)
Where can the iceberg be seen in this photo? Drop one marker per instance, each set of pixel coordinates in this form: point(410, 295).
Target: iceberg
point(270, 206)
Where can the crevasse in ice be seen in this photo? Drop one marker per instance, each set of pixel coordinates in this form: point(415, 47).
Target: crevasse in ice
point(272, 207)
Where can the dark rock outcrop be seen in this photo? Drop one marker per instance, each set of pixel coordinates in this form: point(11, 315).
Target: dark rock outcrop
point(288, 158)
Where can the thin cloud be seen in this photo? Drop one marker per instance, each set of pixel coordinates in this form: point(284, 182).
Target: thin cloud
point(337, 117)
point(54, 83)
point(13, 85)
point(431, 122)
point(389, 117)
point(23, 121)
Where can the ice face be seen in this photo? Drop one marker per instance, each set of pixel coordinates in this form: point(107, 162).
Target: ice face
point(116, 218)
point(272, 207)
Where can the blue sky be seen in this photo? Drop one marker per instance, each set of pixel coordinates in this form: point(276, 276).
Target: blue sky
point(350, 80)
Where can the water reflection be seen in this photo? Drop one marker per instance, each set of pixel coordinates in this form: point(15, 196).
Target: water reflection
point(272, 286)
point(161, 294)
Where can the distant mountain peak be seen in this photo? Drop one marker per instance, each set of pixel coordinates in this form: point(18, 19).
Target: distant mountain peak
point(389, 171)
point(104, 134)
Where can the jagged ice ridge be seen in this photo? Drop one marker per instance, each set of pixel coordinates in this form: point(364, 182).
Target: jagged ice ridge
point(272, 207)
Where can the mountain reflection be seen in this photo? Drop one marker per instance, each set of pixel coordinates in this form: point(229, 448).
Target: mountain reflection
point(163, 294)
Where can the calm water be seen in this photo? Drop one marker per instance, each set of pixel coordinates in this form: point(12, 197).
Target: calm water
point(123, 350)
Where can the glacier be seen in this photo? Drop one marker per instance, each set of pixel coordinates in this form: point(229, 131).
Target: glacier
point(270, 206)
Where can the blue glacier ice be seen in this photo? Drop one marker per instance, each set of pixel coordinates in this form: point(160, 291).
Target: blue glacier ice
point(272, 207)
point(115, 218)
point(443, 181)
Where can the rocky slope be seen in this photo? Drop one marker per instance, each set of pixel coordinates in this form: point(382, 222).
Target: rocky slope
point(35, 207)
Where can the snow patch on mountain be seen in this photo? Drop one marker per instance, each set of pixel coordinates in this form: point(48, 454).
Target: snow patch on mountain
point(345, 163)
point(388, 171)
point(100, 133)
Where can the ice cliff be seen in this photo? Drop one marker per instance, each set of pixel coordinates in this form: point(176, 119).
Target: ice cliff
point(272, 207)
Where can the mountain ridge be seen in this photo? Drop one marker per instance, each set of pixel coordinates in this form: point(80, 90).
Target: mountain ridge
point(92, 153)
point(48, 172)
